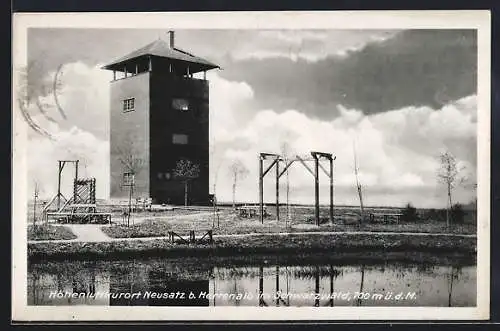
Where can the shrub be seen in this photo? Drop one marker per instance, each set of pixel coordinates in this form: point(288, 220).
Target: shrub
point(409, 214)
point(457, 214)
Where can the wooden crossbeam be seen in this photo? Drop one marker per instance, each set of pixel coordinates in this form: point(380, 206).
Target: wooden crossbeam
point(305, 165)
point(270, 167)
point(321, 154)
point(324, 170)
point(286, 168)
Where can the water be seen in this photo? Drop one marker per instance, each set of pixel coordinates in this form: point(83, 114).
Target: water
point(260, 282)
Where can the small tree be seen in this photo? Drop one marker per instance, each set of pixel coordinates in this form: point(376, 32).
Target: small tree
point(35, 196)
point(186, 171)
point(448, 174)
point(409, 213)
point(238, 171)
point(457, 213)
point(132, 165)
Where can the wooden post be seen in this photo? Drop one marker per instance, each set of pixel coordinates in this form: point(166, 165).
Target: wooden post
point(61, 165)
point(316, 190)
point(125, 71)
point(136, 69)
point(150, 67)
point(261, 190)
point(75, 182)
point(331, 190)
point(277, 191)
point(34, 205)
point(114, 74)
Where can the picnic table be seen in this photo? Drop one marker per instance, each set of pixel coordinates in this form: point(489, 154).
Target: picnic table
point(250, 211)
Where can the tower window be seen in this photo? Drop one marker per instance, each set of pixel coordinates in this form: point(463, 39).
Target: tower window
point(128, 105)
point(179, 139)
point(180, 104)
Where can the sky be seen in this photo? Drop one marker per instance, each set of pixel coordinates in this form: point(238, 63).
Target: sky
point(401, 97)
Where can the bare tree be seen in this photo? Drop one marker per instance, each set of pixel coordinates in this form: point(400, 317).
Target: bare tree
point(214, 203)
point(358, 185)
point(35, 197)
point(449, 174)
point(238, 171)
point(132, 165)
point(186, 171)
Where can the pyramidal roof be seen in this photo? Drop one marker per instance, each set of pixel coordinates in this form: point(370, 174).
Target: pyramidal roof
point(161, 48)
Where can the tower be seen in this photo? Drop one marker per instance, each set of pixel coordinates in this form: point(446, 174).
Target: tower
point(159, 113)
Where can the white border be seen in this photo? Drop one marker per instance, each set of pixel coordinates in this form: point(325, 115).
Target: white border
point(469, 19)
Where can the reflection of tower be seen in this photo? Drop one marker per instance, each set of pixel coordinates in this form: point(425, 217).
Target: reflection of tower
point(159, 283)
point(159, 115)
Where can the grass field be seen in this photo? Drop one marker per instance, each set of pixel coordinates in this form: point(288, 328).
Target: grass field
point(228, 222)
point(161, 220)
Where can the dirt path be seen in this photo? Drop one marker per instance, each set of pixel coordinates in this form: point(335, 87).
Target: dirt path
point(88, 233)
point(93, 233)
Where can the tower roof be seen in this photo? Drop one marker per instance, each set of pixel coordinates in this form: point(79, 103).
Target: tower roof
point(162, 49)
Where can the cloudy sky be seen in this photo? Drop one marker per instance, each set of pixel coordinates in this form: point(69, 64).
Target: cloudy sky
point(401, 96)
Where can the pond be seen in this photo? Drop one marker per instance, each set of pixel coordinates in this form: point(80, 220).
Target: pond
point(260, 281)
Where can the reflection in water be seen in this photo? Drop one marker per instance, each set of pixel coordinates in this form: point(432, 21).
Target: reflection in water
point(165, 282)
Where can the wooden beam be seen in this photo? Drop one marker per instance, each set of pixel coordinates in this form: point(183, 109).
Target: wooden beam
point(286, 167)
point(305, 165)
point(270, 167)
point(277, 191)
point(316, 191)
point(324, 170)
point(261, 190)
point(331, 191)
point(321, 154)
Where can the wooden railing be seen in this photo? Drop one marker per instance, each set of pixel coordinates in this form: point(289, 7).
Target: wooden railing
point(176, 237)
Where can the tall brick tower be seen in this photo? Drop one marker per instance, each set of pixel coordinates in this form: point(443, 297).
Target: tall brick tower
point(159, 115)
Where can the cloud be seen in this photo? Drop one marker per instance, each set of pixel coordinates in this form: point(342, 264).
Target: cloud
point(397, 152)
point(83, 134)
point(73, 144)
point(411, 68)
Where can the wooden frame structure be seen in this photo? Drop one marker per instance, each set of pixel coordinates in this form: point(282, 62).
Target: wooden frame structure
point(316, 157)
point(81, 206)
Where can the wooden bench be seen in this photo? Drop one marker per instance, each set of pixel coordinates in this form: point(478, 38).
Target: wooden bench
point(66, 216)
point(250, 211)
point(192, 237)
